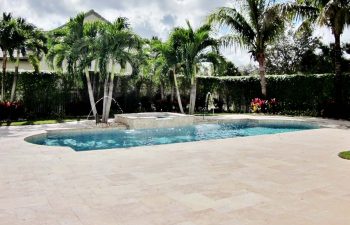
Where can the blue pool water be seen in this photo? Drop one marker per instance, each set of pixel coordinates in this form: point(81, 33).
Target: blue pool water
point(108, 139)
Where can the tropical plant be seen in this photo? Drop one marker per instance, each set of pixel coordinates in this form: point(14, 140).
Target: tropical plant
point(258, 105)
point(334, 14)
point(84, 51)
point(117, 45)
point(37, 46)
point(72, 49)
point(171, 57)
point(7, 32)
point(258, 24)
point(194, 47)
point(20, 36)
point(155, 67)
point(27, 39)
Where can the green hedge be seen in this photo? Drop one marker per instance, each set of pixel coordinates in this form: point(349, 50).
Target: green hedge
point(43, 95)
point(297, 94)
point(50, 95)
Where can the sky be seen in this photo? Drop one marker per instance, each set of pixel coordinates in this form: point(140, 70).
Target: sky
point(147, 17)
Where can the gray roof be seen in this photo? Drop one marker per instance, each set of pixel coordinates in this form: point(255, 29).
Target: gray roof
point(89, 13)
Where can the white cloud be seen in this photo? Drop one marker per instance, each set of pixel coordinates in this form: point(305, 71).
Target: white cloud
point(327, 36)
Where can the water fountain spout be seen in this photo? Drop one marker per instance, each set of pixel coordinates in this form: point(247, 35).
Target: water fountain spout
point(115, 101)
point(209, 102)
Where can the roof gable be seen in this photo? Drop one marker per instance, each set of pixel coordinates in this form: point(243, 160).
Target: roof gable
point(90, 16)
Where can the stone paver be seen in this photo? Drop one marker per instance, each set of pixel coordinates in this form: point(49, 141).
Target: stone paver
point(290, 178)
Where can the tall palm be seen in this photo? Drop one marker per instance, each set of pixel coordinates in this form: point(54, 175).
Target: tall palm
point(258, 24)
point(155, 66)
point(72, 47)
point(37, 48)
point(172, 60)
point(7, 32)
point(334, 14)
point(60, 44)
point(193, 47)
point(117, 45)
point(27, 38)
point(84, 49)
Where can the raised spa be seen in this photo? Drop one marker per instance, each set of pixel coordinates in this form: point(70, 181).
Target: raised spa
point(154, 120)
point(113, 139)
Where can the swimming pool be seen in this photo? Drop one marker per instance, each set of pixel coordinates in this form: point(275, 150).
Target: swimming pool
point(114, 139)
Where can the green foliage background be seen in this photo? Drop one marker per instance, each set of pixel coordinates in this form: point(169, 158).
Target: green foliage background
point(310, 95)
point(48, 95)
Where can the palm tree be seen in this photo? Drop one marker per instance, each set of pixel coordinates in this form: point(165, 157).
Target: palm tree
point(155, 66)
point(37, 46)
point(7, 31)
point(27, 37)
point(172, 60)
point(19, 38)
point(80, 44)
point(334, 14)
point(259, 24)
point(117, 45)
point(193, 47)
point(84, 49)
point(73, 47)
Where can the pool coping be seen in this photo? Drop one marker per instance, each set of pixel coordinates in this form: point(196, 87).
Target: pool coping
point(208, 121)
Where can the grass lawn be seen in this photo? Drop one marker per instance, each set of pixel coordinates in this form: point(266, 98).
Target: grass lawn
point(345, 155)
point(35, 122)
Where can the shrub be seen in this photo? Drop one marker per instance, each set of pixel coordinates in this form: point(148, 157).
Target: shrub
point(11, 110)
point(258, 105)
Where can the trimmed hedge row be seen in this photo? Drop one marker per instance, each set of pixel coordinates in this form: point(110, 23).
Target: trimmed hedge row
point(43, 95)
point(50, 95)
point(311, 95)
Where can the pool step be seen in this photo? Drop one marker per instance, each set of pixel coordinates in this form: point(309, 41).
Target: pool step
point(114, 125)
point(200, 120)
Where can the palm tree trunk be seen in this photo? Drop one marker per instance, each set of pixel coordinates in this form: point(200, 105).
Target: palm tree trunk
point(110, 96)
point(94, 82)
point(105, 96)
point(338, 77)
point(178, 93)
point(91, 93)
point(161, 89)
point(337, 56)
point(4, 61)
point(193, 96)
point(14, 83)
point(108, 93)
point(193, 92)
point(172, 88)
point(262, 66)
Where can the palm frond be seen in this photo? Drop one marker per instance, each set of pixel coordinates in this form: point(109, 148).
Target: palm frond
point(234, 20)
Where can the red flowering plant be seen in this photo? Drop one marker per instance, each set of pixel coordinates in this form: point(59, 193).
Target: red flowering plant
point(258, 105)
point(11, 110)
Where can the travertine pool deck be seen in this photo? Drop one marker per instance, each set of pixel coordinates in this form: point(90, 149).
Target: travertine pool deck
point(290, 178)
